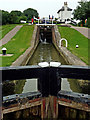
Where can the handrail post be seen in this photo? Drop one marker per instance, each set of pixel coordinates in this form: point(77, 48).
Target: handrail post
point(52, 21)
point(38, 21)
point(45, 21)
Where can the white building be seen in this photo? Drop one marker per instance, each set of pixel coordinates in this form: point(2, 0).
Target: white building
point(64, 13)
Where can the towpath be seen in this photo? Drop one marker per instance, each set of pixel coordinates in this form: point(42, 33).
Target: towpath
point(9, 35)
point(82, 30)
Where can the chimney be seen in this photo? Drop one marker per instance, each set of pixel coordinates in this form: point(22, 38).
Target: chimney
point(65, 3)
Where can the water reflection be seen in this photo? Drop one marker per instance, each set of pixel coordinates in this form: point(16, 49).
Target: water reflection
point(31, 85)
point(65, 84)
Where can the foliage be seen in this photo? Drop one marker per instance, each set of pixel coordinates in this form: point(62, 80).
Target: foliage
point(5, 17)
point(82, 11)
point(16, 12)
point(29, 13)
point(15, 16)
point(88, 22)
point(13, 19)
point(17, 45)
point(23, 18)
point(74, 37)
point(0, 17)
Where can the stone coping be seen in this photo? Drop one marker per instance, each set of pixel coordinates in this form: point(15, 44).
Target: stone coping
point(69, 57)
point(8, 55)
point(23, 59)
point(72, 59)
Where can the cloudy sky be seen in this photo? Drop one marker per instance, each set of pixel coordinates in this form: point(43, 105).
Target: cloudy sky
point(44, 7)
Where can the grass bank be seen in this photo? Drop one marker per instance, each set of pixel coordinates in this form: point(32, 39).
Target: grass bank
point(18, 45)
point(74, 37)
point(4, 29)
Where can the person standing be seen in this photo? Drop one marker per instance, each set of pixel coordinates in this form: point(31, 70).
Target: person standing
point(86, 22)
point(32, 20)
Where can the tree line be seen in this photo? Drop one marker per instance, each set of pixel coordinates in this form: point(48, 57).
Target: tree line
point(15, 16)
point(82, 12)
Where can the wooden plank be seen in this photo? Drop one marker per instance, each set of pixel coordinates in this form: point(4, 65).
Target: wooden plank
point(21, 107)
point(74, 105)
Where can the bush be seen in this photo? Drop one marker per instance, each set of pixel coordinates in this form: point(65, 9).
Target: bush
point(88, 22)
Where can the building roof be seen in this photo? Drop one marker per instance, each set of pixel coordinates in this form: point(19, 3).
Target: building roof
point(62, 9)
point(69, 9)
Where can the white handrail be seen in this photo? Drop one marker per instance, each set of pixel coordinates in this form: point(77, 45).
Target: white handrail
point(61, 41)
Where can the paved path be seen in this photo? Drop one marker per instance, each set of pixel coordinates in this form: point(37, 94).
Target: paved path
point(83, 30)
point(9, 35)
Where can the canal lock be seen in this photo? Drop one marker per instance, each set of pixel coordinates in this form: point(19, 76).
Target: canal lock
point(46, 38)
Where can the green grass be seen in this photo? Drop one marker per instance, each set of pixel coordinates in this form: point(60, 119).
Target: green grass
point(74, 37)
point(4, 29)
point(17, 45)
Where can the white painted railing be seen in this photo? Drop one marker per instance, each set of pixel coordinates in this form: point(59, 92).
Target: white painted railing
point(51, 20)
point(61, 42)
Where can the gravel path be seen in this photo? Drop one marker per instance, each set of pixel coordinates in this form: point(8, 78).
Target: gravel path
point(83, 30)
point(9, 35)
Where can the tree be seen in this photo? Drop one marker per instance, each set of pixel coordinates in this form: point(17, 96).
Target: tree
point(13, 18)
point(23, 18)
point(16, 12)
point(82, 11)
point(0, 17)
point(5, 17)
point(29, 13)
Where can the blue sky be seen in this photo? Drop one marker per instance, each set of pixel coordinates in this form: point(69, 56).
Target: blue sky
point(44, 7)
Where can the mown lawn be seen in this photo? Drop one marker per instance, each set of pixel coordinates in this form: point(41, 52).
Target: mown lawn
point(74, 37)
point(17, 45)
point(4, 29)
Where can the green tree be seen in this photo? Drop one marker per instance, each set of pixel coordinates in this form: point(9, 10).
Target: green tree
point(29, 13)
point(23, 18)
point(16, 12)
point(0, 17)
point(13, 18)
point(82, 11)
point(5, 17)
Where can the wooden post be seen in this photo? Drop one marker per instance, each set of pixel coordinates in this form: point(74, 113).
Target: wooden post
point(55, 104)
point(52, 21)
point(49, 107)
point(1, 114)
point(38, 21)
point(45, 21)
point(43, 108)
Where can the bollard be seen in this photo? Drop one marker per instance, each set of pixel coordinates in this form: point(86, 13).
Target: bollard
point(77, 46)
point(4, 51)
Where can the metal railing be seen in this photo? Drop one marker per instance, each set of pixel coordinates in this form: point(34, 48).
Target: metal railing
point(45, 21)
